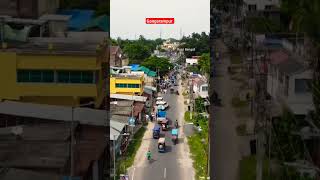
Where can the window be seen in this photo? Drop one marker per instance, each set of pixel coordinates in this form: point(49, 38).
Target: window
point(75, 77)
point(35, 76)
point(85, 77)
point(23, 76)
point(63, 76)
point(119, 85)
point(252, 7)
point(47, 76)
point(204, 88)
point(302, 86)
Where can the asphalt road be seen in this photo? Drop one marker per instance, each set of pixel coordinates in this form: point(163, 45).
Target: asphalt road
point(170, 165)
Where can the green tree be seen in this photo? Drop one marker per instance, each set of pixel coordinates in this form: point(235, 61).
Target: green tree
point(199, 105)
point(198, 41)
point(204, 63)
point(158, 64)
point(136, 52)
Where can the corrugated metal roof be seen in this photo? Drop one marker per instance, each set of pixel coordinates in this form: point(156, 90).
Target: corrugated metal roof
point(80, 19)
point(52, 112)
point(121, 119)
point(128, 97)
point(117, 125)
point(13, 174)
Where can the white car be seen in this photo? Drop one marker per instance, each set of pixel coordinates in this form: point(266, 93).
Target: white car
point(159, 98)
point(162, 107)
point(161, 102)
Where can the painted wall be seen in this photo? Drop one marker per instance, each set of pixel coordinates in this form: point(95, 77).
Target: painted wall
point(130, 91)
point(39, 92)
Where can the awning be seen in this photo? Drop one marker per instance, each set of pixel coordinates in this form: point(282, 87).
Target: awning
point(151, 88)
point(129, 97)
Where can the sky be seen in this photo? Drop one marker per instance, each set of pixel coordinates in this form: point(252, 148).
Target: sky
point(127, 18)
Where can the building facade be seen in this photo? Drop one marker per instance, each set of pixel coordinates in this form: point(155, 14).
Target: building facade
point(126, 84)
point(54, 74)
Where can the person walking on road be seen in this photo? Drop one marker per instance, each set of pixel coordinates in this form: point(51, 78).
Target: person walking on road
point(149, 155)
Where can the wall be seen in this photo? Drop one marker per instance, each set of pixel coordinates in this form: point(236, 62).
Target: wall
point(114, 90)
point(262, 3)
point(44, 92)
point(293, 97)
point(8, 76)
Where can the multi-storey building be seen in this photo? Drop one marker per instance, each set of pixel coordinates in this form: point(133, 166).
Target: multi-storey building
point(55, 71)
point(131, 84)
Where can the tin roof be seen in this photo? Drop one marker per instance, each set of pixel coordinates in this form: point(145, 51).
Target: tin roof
point(51, 112)
point(22, 174)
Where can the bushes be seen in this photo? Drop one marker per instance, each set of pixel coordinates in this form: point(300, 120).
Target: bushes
point(128, 158)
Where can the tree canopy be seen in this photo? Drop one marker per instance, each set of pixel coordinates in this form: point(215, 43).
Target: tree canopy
point(198, 41)
point(204, 63)
point(155, 63)
point(137, 52)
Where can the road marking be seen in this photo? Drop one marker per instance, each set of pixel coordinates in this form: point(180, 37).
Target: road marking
point(165, 173)
point(133, 173)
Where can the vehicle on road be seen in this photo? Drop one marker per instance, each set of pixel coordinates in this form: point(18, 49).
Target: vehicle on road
point(161, 115)
point(174, 136)
point(159, 98)
point(162, 145)
point(171, 90)
point(160, 102)
point(156, 131)
point(164, 124)
point(162, 105)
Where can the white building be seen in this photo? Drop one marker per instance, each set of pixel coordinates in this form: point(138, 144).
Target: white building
point(288, 83)
point(191, 61)
point(259, 5)
point(200, 86)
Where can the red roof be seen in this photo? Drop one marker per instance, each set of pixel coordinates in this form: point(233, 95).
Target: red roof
point(278, 57)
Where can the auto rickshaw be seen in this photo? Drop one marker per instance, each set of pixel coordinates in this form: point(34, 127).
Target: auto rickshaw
point(156, 131)
point(162, 145)
point(164, 124)
point(174, 135)
point(171, 90)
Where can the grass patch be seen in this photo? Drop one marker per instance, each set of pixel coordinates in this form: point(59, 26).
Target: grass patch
point(198, 154)
point(248, 168)
point(237, 103)
point(241, 129)
point(127, 159)
point(187, 116)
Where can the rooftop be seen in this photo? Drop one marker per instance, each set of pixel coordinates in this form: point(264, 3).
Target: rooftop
point(55, 17)
point(48, 132)
point(50, 112)
point(13, 173)
point(127, 76)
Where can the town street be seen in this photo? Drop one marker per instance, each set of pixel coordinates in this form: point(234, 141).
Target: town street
point(175, 163)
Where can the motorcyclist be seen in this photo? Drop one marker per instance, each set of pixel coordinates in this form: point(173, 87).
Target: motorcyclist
point(177, 125)
point(149, 155)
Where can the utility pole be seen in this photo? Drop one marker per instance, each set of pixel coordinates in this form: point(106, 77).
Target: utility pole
point(191, 98)
point(261, 119)
point(72, 145)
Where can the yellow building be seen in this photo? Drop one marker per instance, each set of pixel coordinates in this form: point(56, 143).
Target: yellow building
point(126, 84)
point(57, 74)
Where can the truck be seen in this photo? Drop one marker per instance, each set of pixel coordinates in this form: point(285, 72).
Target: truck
point(161, 116)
